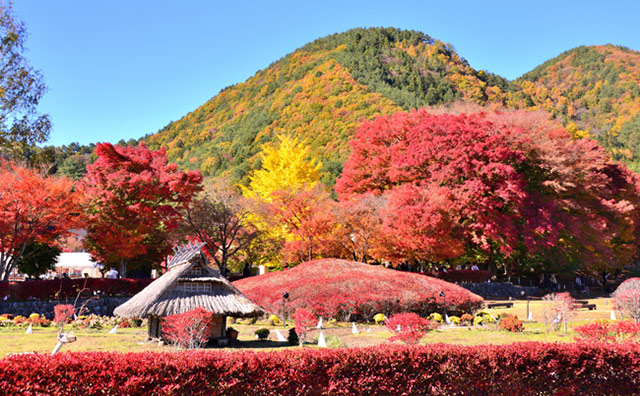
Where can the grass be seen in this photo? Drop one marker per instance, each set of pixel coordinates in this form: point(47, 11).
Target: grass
point(43, 340)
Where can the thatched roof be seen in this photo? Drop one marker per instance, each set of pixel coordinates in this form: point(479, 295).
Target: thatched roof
point(165, 297)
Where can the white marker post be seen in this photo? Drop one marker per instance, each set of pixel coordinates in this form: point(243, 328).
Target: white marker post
point(114, 330)
point(322, 343)
point(29, 329)
point(354, 329)
point(280, 337)
point(319, 323)
point(613, 315)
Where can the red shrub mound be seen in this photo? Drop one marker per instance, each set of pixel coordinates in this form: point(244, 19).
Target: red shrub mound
point(68, 288)
point(439, 369)
point(341, 289)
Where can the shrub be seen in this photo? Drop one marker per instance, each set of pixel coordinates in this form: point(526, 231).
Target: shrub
point(466, 319)
point(274, 320)
point(63, 313)
point(602, 330)
point(189, 330)
point(292, 338)
point(557, 309)
point(409, 327)
point(436, 317)
point(455, 320)
point(262, 333)
point(530, 368)
point(334, 288)
point(304, 319)
point(511, 323)
point(379, 318)
point(628, 301)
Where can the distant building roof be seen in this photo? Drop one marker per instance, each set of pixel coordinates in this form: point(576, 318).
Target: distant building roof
point(75, 260)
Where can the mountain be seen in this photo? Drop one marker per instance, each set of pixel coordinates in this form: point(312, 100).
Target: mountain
point(321, 93)
point(592, 89)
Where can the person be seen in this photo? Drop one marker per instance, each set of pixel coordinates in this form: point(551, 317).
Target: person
point(474, 267)
point(578, 283)
point(112, 273)
point(554, 282)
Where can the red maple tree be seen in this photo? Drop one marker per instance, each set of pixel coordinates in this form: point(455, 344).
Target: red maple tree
point(33, 208)
point(135, 202)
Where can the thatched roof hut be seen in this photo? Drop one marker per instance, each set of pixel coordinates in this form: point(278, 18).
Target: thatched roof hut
point(189, 283)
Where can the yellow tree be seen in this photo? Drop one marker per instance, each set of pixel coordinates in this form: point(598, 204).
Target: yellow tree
point(288, 167)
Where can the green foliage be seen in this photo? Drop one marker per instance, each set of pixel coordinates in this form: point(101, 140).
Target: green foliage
point(22, 88)
point(38, 258)
point(262, 333)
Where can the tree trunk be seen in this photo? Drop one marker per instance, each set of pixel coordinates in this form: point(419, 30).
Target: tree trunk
point(123, 268)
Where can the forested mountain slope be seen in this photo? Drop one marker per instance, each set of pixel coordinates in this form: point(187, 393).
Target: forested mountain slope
point(321, 93)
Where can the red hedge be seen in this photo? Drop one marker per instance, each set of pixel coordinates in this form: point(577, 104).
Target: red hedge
point(68, 288)
point(517, 369)
point(340, 288)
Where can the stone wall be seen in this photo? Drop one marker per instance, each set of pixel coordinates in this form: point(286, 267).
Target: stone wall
point(98, 306)
point(499, 289)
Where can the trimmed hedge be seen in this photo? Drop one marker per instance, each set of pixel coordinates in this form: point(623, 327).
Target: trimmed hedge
point(348, 290)
point(68, 288)
point(529, 368)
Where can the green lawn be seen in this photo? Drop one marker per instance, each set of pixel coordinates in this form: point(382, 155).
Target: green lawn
point(14, 339)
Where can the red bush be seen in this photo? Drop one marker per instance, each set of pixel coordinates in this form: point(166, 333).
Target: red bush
point(516, 369)
point(69, 288)
point(409, 327)
point(602, 330)
point(189, 330)
point(63, 313)
point(343, 289)
point(305, 320)
point(628, 301)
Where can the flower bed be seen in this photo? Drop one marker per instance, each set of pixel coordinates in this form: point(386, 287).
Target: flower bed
point(516, 369)
point(68, 288)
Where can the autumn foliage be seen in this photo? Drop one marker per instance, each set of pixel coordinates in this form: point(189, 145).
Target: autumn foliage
point(63, 313)
point(188, 330)
point(408, 327)
point(530, 368)
point(346, 289)
point(504, 185)
point(33, 208)
point(135, 198)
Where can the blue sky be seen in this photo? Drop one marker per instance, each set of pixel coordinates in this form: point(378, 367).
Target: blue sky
point(121, 69)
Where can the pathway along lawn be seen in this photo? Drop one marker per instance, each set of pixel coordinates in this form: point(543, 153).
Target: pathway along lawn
point(43, 340)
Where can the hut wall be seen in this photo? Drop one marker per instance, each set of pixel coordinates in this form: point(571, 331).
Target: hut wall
point(219, 326)
point(155, 327)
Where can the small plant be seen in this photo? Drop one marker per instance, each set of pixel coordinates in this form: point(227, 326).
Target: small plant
point(274, 320)
point(557, 309)
point(379, 318)
point(511, 323)
point(409, 327)
point(63, 313)
point(466, 319)
point(304, 321)
point(262, 333)
point(436, 317)
point(189, 330)
point(292, 338)
point(477, 321)
point(455, 320)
